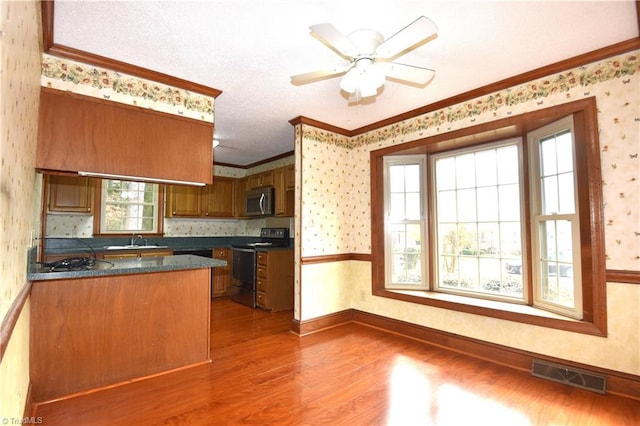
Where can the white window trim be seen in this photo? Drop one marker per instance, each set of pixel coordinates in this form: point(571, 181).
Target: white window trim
point(537, 218)
point(103, 216)
point(523, 224)
point(419, 160)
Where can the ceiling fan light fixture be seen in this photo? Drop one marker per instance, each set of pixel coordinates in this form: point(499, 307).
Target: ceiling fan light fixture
point(349, 82)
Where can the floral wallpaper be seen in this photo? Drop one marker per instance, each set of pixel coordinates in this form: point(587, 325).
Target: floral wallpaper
point(334, 213)
point(338, 166)
point(20, 53)
point(65, 74)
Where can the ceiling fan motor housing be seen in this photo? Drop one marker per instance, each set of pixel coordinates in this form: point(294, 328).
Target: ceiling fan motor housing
point(366, 41)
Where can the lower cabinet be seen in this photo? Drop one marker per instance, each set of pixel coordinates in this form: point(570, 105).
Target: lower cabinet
point(221, 275)
point(274, 280)
point(133, 254)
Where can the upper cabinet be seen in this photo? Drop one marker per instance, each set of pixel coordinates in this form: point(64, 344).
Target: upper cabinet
point(69, 194)
point(261, 180)
point(80, 133)
point(213, 201)
point(218, 198)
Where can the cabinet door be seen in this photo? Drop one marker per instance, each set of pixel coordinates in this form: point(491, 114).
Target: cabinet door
point(70, 194)
point(221, 275)
point(261, 180)
point(239, 197)
point(184, 201)
point(218, 199)
point(290, 177)
point(280, 192)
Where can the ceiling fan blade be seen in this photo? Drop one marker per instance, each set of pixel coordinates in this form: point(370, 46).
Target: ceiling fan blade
point(407, 73)
point(418, 32)
point(313, 76)
point(334, 39)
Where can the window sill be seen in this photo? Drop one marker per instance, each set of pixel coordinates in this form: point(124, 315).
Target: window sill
point(490, 308)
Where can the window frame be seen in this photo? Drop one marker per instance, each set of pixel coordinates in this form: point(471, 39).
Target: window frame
point(98, 216)
point(519, 144)
point(590, 202)
point(420, 161)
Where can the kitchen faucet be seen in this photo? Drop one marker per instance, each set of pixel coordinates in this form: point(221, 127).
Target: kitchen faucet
point(134, 238)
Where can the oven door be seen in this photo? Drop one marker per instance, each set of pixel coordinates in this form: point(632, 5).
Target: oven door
point(243, 267)
point(243, 270)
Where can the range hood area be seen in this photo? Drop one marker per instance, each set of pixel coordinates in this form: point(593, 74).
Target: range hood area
point(95, 137)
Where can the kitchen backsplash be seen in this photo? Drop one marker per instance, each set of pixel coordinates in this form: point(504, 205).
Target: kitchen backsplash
point(81, 226)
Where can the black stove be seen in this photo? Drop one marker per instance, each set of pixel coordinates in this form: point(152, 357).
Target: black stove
point(244, 266)
point(269, 237)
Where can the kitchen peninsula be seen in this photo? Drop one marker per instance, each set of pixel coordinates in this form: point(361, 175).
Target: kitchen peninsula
point(120, 321)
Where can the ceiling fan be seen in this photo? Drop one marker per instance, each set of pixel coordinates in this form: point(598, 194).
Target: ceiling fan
point(371, 58)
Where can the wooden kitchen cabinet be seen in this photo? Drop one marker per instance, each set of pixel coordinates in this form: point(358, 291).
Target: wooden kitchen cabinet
point(218, 198)
point(283, 197)
point(221, 275)
point(261, 180)
point(69, 194)
point(210, 201)
point(132, 254)
point(183, 201)
point(81, 133)
point(274, 280)
point(290, 177)
point(239, 197)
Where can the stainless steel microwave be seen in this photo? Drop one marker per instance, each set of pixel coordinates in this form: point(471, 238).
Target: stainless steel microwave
point(259, 202)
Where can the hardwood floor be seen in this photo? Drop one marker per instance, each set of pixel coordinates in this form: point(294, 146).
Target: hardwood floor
point(351, 374)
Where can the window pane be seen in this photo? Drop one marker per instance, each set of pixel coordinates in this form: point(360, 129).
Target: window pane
point(447, 211)
point(466, 200)
point(413, 206)
point(465, 171)
point(486, 172)
point(488, 204)
point(446, 173)
point(548, 164)
point(404, 184)
point(129, 206)
point(507, 158)
point(397, 206)
point(509, 202)
point(550, 195)
point(556, 267)
point(412, 178)
point(406, 260)
point(396, 178)
point(475, 250)
point(564, 146)
point(566, 191)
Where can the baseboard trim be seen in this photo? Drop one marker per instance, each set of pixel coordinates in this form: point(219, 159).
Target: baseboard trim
point(618, 383)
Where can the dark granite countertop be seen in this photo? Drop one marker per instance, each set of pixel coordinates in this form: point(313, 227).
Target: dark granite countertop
point(138, 265)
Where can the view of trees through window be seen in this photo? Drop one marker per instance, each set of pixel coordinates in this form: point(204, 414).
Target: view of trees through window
point(129, 206)
point(477, 198)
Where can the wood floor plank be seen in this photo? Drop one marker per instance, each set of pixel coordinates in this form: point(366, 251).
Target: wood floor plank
point(348, 375)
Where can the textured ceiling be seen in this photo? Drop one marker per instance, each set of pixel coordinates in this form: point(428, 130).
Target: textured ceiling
point(248, 49)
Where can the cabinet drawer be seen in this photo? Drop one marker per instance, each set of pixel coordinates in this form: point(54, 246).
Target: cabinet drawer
point(261, 299)
point(262, 272)
point(262, 258)
point(261, 284)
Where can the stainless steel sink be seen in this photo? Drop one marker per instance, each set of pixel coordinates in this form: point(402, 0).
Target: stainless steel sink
point(134, 247)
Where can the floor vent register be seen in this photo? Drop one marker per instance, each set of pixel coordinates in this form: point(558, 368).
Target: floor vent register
point(569, 375)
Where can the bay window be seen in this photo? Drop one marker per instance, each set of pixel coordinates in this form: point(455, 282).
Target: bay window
point(503, 219)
